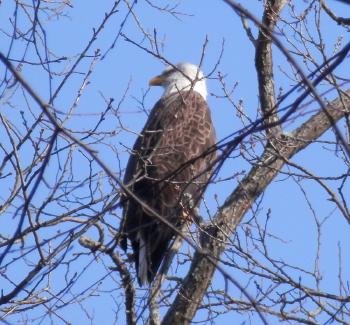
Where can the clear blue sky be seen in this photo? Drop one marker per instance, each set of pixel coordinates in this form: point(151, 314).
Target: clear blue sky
point(292, 220)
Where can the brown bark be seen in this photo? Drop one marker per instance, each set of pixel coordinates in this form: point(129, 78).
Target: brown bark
point(239, 202)
point(264, 65)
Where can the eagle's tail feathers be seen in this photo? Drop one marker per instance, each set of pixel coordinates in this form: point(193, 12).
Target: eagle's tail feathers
point(142, 271)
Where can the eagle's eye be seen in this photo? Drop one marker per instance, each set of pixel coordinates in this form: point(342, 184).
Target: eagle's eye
point(167, 73)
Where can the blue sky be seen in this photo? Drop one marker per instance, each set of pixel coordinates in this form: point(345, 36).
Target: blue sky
point(292, 212)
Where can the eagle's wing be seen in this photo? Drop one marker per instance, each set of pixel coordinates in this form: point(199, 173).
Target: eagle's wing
point(169, 169)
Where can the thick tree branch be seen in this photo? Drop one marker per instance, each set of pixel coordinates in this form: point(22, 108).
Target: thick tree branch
point(264, 65)
point(304, 79)
point(339, 20)
point(239, 202)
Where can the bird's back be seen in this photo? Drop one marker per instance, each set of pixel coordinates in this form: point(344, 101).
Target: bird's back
point(168, 170)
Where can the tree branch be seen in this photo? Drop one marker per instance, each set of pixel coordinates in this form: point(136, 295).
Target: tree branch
point(125, 276)
point(231, 213)
point(264, 65)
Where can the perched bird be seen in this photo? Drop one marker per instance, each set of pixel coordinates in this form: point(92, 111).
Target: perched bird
point(169, 167)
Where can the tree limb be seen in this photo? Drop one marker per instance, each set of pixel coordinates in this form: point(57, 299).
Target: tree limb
point(264, 64)
point(239, 202)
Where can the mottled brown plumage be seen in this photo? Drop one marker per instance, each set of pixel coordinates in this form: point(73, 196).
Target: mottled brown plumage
point(168, 169)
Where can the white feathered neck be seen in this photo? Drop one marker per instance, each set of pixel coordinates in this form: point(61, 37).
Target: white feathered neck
point(186, 76)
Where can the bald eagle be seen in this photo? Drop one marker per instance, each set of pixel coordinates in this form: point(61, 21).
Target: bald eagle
point(169, 166)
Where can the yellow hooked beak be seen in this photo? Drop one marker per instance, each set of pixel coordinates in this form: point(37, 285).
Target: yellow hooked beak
point(156, 81)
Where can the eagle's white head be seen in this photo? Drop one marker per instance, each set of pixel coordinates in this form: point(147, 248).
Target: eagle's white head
point(183, 76)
